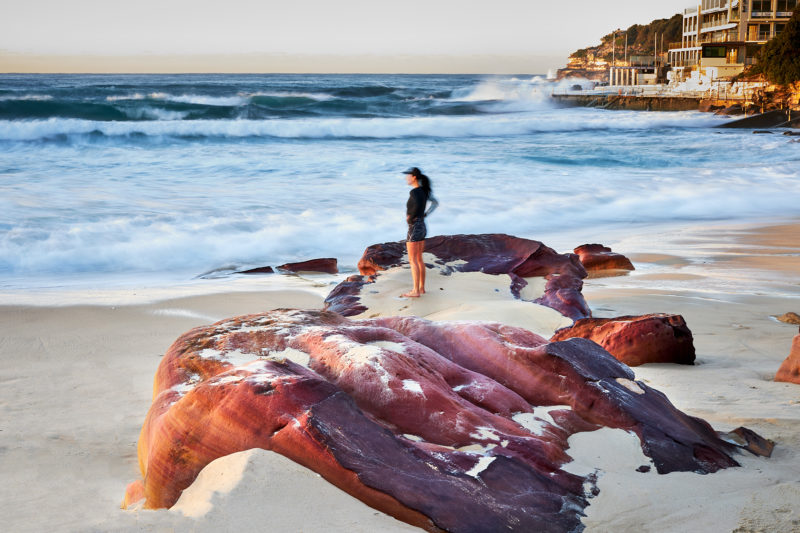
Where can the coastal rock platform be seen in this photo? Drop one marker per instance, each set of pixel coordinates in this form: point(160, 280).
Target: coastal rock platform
point(531, 272)
point(460, 426)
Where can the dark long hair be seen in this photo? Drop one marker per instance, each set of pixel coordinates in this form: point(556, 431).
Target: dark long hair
point(423, 180)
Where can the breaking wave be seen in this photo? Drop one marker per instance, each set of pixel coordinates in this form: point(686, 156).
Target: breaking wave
point(172, 125)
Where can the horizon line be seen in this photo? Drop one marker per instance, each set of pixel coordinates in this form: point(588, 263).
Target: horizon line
point(193, 73)
point(263, 63)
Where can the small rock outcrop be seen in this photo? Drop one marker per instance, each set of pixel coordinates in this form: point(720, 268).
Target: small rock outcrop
point(258, 270)
point(598, 258)
point(487, 253)
point(636, 340)
point(790, 368)
point(328, 265)
point(458, 426)
point(789, 318)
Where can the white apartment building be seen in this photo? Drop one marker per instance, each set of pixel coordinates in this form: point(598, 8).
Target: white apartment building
point(721, 37)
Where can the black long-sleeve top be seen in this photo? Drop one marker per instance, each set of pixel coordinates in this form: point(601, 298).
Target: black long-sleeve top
point(417, 200)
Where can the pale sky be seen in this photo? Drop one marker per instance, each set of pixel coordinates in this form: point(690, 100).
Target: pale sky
point(310, 35)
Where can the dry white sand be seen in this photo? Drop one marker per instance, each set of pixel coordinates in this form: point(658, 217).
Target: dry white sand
point(728, 283)
point(77, 383)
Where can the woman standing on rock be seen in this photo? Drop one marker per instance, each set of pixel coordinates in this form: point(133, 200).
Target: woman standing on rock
point(418, 199)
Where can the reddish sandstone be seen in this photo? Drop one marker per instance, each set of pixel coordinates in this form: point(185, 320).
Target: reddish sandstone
point(637, 340)
point(790, 368)
point(391, 410)
point(488, 253)
point(259, 270)
point(596, 257)
point(327, 265)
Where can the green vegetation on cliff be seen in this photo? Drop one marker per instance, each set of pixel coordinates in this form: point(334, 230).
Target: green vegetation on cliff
point(641, 40)
point(779, 60)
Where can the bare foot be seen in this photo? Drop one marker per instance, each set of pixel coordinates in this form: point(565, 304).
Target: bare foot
point(412, 294)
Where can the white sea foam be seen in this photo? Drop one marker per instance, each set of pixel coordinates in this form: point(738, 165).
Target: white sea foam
point(25, 97)
point(122, 97)
point(155, 113)
point(506, 90)
point(376, 128)
point(182, 98)
point(320, 97)
point(514, 95)
point(113, 229)
point(209, 100)
point(169, 198)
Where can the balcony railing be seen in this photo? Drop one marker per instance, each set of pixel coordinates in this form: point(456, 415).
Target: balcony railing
point(760, 36)
point(716, 23)
point(720, 36)
point(714, 4)
point(684, 63)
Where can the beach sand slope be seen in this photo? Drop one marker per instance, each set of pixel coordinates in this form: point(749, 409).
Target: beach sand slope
point(77, 383)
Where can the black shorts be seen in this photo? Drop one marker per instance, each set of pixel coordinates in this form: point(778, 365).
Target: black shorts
point(417, 230)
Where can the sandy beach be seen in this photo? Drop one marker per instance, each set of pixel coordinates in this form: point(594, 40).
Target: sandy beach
point(77, 383)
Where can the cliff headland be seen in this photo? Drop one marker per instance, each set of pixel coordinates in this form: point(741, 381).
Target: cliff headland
point(633, 69)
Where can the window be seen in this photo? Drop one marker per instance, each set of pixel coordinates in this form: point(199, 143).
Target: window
point(762, 5)
point(786, 6)
point(714, 51)
point(751, 51)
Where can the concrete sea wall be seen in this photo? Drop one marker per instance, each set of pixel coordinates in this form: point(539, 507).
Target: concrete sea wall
point(630, 102)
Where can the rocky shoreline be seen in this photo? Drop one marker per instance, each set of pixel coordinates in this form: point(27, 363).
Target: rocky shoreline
point(447, 425)
point(79, 394)
point(772, 99)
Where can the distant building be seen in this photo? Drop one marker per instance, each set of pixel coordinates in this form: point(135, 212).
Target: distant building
point(722, 37)
point(638, 70)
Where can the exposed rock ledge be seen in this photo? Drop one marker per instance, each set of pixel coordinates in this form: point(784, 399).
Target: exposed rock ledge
point(447, 426)
point(636, 340)
point(789, 370)
point(488, 253)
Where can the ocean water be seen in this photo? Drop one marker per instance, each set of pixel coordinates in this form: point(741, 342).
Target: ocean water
point(149, 179)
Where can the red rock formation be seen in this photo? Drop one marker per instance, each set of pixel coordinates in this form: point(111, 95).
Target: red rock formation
point(347, 398)
point(489, 253)
point(790, 368)
point(750, 441)
point(259, 270)
point(327, 265)
point(636, 340)
point(596, 258)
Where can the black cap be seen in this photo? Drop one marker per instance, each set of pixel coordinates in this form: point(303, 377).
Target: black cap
point(414, 171)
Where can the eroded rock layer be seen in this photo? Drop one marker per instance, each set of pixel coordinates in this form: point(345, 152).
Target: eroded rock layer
point(448, 426)
point(599, 258)
point(328, 265)
point(488, 253)
point(789, 370)
point(636, 340)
